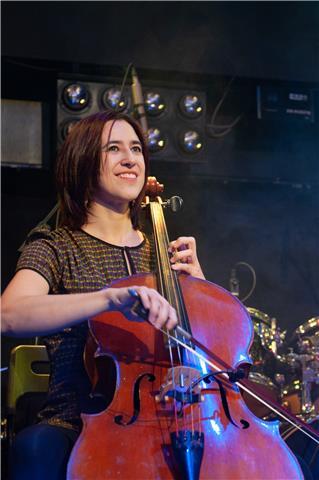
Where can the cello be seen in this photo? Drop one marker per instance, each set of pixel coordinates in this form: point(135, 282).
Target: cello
point(177, 410)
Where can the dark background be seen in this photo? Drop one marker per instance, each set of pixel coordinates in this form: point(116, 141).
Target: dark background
point(255, 196)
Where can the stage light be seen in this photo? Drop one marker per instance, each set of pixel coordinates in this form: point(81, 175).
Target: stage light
point(172, 136)
point(154, 104)
point(75, 96)
point(191, 141)
point(155, 140)
point(67, 127)
point(190, 106)
point(111, 98)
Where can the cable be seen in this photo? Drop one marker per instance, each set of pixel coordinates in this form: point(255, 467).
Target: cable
point(250, 268)
point(127, 71)
point(211, 127)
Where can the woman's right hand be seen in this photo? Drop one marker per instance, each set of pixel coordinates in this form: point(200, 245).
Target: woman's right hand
point(160, 312)
point(29, 310)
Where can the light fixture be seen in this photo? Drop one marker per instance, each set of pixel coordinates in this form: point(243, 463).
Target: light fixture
point(176, 115)
point(191, 141)
point(154, 104)
point(155, 140)
point(112, 98)
point(67, 127)
point(190, 106)
point(75, 96)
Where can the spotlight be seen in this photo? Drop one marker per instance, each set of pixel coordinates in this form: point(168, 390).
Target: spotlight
point(191, 141)
point(190, 106)
point(154, 104)
point(111, 98)
point(75, 96)
point(67, 127)
point(155, 140)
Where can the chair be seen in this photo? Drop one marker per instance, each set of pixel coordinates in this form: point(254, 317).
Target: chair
point(27, 363)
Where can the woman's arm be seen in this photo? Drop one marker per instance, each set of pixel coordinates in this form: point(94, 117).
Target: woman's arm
point(28, 309)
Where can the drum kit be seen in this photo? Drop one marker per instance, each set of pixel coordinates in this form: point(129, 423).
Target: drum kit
point(286, 370)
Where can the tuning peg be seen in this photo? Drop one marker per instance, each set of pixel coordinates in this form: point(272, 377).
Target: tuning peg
point(174, 203)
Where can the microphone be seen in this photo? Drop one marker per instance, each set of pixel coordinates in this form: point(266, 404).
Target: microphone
point(234, 283)
point(138, 101)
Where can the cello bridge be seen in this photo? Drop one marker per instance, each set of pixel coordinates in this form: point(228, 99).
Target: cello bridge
point(178, 386)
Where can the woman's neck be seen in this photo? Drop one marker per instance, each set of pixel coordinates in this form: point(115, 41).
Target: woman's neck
point(112, 226)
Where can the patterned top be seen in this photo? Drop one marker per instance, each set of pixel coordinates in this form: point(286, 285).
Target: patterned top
point(76, 262)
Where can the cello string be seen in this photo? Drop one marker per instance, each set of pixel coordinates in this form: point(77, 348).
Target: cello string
point(173, 381)
point(161, 256)
point(162, 268)
point(157, 248)
point(199, 420)
point(175, 297)
point(192, 419)
point(171, 292)
point(173, 289)
point(164, 255)
point(178, 302)
point(163, 245)
point(176, 419)
point(247, 390)
point(165, 270)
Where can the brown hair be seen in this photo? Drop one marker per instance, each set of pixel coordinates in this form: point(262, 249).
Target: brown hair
point(78, 168)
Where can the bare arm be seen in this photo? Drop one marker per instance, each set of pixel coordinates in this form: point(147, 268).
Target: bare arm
point(28, 310)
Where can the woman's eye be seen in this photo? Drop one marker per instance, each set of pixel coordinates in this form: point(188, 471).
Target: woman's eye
point(137, 149)
point(113, 148)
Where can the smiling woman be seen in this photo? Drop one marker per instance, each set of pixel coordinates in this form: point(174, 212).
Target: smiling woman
point(122, 175)
point(65, 276)
point(83, 157)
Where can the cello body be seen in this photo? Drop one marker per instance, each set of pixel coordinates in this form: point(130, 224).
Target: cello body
point(140, 436)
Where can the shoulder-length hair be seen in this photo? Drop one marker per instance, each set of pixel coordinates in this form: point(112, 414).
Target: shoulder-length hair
point(79, 165)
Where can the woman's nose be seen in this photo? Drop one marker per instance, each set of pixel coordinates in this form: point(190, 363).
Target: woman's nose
point(128, 157)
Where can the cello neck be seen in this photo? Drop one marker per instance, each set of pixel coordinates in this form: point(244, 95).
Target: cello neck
point(168, 284)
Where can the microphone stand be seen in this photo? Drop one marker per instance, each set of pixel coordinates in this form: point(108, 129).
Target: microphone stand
point(138, 102)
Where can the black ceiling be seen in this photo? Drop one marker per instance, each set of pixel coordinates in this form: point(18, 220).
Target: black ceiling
point(277, 40)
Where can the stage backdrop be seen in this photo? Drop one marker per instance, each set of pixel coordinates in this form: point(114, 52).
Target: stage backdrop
point(255, 197)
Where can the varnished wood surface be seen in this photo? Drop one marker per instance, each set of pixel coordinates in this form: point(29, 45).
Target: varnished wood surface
point(141, 451)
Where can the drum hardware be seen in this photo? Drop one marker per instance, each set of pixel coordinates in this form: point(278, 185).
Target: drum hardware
point(268, 337)
point(266, 328)
point(310, 326)
point(291, 378)
point(280, 380)
point(298, 395)
point(301, 395)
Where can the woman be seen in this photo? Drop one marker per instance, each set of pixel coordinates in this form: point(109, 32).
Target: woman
point(63, 275)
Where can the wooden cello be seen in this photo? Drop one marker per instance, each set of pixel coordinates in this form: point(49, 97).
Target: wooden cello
point(177, 411)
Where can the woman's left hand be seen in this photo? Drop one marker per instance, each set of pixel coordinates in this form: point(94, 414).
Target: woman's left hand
point(184, 256)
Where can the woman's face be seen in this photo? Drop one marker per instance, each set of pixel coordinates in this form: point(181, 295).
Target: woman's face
point(122, 165)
